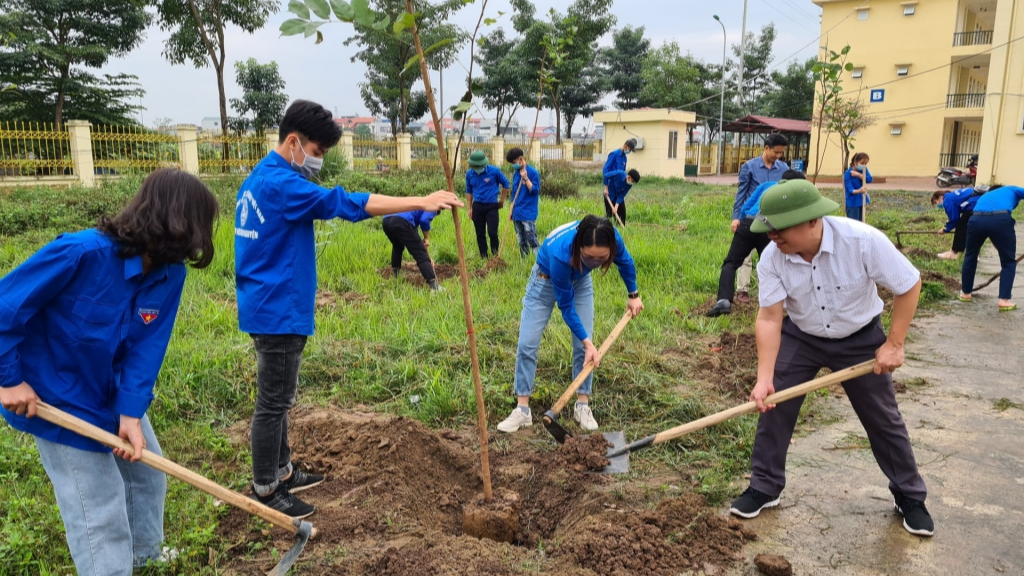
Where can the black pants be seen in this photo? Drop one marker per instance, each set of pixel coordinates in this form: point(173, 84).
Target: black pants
point(278, 357)
point(743, 243)
point(485, 218)
point(872, 396)
point(608, 210)
point(403, 236)
point(999, 228)
point(960, 232)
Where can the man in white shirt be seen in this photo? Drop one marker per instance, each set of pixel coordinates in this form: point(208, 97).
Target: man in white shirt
point(823, 271)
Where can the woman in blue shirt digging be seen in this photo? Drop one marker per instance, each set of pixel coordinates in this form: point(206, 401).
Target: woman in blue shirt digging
point(84, 325)
point(562, 276)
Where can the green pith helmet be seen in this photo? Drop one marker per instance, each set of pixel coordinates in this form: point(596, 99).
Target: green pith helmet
point(788, 203)
point(478, 161)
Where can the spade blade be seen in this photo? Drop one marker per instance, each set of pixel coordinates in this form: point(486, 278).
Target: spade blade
point(618, 464)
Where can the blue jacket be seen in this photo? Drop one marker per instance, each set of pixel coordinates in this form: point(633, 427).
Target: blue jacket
point(753, 173)
point(554, 259)
point(87, 330)
point(1005, 198)
point(957, 202)
point(275, 245)
point(617, 186)
point(753, 204)
point(484, 186)
point(418, 218)
point(525, 208)
point(851, 183)
point(616, 162)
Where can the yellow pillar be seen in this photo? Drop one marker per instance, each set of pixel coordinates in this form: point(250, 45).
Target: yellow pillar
point(497, 150)
point(598, 147)
point(348, 149)
point(81, 151)
point(188, 148)
point(272, 136)
point(453, 142)
point(567, 151)
point(404, 151)
point(535, 151)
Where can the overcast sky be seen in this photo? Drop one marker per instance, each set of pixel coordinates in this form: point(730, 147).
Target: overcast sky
point(325, 73)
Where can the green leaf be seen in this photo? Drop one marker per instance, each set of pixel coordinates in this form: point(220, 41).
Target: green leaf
point(320, 8)
point(298, 8)
point(846, 50)
point(436, 45)
point(849, 67)
point(382, 23)
point(319, 36)
point(343, 10)
point(406, 20)
point(490, 21)
point(293, 26)
point(362, 13)
point(410, 63)
point(311, 28)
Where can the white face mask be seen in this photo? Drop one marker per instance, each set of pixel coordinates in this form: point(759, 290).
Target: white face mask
point(310, 166)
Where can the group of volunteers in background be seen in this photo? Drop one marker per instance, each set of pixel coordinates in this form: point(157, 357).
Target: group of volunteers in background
point(85, 321)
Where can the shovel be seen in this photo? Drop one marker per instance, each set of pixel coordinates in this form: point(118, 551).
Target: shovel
point(899, 242)
point(619, 457)
point(550, 418)
point(303, 530)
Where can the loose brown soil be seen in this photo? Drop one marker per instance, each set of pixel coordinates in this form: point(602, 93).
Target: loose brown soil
point(395, 494)
point(328, 299)
point(731, 364)
point(919, 253)
point(410, 272)
point(772, 565)
point(951, 284)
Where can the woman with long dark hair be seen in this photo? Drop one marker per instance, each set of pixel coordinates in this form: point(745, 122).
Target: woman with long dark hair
point(562, 276)
point(84, 325)
point(855, 182)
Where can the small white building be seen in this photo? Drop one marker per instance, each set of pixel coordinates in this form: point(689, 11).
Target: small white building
point(211, 124)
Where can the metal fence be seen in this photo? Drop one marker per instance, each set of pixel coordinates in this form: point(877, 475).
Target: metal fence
point(965, 100)
point(552, 152)
point(468, 148)
point(230, 154)
point(583, 150)
point(125, 149)
point(424, 154)
point(979, 38)
point(371, 155)
point(517, 142)
point(954, 160)
point(34, 149)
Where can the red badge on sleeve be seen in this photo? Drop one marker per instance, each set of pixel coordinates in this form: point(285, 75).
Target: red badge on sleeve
point(148, 314)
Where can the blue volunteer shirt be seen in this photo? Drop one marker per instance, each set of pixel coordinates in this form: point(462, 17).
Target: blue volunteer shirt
point(753, 204)
point(852, 182)
point(554, 259)
point(956, 203)
point(485, 186)
point(616, 162)
point(1000, 199)
point(418, 218)
point(617, 186)
point(275, 245)
point(753, 173)
point(87, 330)
point(525, 209)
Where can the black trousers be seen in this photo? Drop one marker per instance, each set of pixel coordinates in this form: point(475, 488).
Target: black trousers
point(621, 211)
point(485, 219)
point(960, 232)
point(743, 243)
point(278, 357)
point(872, 396)
point(403, 236)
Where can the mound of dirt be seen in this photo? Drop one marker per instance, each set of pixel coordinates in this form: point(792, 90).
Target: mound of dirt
point(680, 534)
point(328, 299)
point(951, 284)
point(410, 272)
point(911, 251)
point(732, 364)
point(585, 453)
point(772, 565)
point(440, 556)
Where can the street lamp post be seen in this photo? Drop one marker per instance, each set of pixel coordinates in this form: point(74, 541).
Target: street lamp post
point(721, 105)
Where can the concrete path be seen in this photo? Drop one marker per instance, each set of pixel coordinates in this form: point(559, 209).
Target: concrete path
point(836, 513)
point(923, 184)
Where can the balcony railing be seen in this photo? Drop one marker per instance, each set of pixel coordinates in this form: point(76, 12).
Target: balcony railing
point(954, 160)
point(965, 100)
point(972, 38)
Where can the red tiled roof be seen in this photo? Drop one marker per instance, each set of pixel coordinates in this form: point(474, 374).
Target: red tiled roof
point(763, 124)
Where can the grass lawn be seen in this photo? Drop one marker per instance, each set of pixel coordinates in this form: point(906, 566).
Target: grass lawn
point(381, 342)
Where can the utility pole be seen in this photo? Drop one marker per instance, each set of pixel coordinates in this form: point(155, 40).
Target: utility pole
point(739, 80)
point(721, 104)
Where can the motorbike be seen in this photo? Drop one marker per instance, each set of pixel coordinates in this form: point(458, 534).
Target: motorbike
point(950, 176)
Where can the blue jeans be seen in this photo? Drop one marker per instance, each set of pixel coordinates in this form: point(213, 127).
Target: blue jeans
point(526, 234)
point(999, 229)
point(855, 212)
point(113, 510)
point(538, 303)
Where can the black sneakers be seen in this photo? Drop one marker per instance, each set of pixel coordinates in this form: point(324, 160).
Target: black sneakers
point(284, 501)
point(751, 502)
point(720, 308)
point(916, 518)
point(301, 480)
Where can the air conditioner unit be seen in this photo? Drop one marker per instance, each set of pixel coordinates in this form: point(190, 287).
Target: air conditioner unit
point(639, 143)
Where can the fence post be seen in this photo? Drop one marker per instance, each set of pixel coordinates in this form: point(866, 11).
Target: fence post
point(497, 150)
point(453, 142)
point(272, 136)
point(188, 147)
point(81, 151)
point(348, 149)
point(535, 151)
point(567, 151)
point(404, 141)
point(598, 147)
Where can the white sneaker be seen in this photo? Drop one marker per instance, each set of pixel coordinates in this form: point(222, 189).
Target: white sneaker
point(585, 417)
point(168, 554)
point(515, 421)
point(950, 255)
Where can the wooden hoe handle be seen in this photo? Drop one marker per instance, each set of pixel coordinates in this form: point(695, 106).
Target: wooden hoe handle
point(589, 367)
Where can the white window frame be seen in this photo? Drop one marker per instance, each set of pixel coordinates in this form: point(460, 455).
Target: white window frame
point(862, 14)
point(896, 129)
point(903, 69)
point(673, 144)
point(858, 72)
point(909, 9)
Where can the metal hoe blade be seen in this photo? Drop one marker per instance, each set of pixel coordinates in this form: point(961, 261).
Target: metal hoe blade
point(550, 420)
point(301, 538)
point(618, 464)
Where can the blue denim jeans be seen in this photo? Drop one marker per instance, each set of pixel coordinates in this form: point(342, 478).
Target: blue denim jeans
point(855, 212)
point(113, 510)
point(526, 234)
point(538, 303)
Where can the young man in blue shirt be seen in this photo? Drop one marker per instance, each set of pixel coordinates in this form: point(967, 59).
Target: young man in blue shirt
point(765, 168)
point(526, 186)
point(275, 273)
point(483, 183)
point(959, 207)
point(401, 230)
point(616, 161)
point(993, 220)
point(743, 243)
point(84, 326)
point(617, 185)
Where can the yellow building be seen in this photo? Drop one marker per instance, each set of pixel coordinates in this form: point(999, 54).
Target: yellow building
point(661, 132)
point(943, 79)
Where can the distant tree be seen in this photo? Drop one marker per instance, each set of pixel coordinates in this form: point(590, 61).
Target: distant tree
point(263, 99)
point(757, 82)
point(828, 100)
point(197, 33)
point(364, 131)
point(580, 99)
point(384, 98)
point(48, 45)
point(672, 80)
point(793, 93)
point(508, 82)
point(624, 61)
